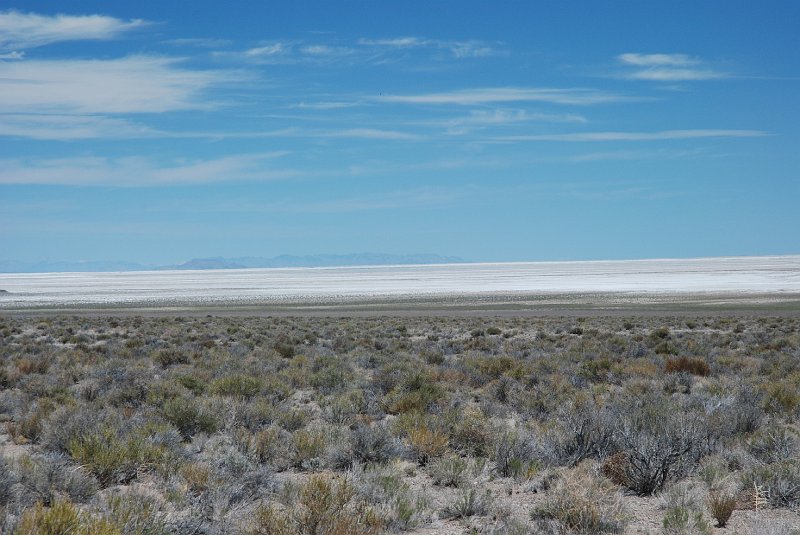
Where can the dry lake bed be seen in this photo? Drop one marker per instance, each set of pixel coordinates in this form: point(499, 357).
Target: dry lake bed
point(762, 282)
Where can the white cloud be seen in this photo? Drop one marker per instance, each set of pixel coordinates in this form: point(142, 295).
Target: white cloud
point(70, 127)
point(267, 50)
point(289, 52)
point(134, 84)
point(397, 42)
point(675, 75)
point(413, 198)
point(326, 50)
point(201, 42)
point(637, 136)
point(467, 97)
point(138, 171)
point(667, 68)
point(656, 60)
point(509, 116)
point(371, 133)
point(325, 105)
point(470, 49)
point(459, 49)
point(636, 155)
point(76, 127)
point(26, 30)
point(410, 198)
point(14, 54)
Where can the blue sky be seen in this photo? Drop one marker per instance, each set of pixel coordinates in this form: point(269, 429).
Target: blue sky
point(156, 132)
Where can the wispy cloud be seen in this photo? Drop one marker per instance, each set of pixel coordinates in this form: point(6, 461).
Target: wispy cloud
point(70, 127)
point(371, 133)
point(656, 60)
point(510, 116)
point(637, 136)
point(334, 105)
point(412, 198)
point(138, 171)
point(636, 155)
point(27, 30)
point(200, 42)
point(272, 49)
point(676, 75)
point(289, 52)
point(396, 42)
point(471, 48)
point(393, 199)
point(134, 84)
point(667, 68)
point(326, 50)
point(361, 51)
point(62, 127)
point(468, 97)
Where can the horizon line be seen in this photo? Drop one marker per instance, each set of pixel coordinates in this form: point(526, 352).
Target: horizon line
point(410, 265)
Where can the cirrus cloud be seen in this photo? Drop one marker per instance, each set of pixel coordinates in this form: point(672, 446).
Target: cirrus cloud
point(141, 171)
point(28, 30)
point(662, 135)
point(469, 97)
point(133, 84)
point(667, 68)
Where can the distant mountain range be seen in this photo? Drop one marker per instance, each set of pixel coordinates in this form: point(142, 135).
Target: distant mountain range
point(323, 260)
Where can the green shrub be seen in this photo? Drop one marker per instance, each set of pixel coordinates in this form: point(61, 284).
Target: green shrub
point(30, 426)
point(582, 501)
point(468, 502)
point(515, 455)
point(471, 433)
point(323, 507)
point(661, 333)
point(135, 514)
point(170, 357)
point(490, 367)
point(774, 443)
point(268, 519)
point(6, 380)
point(416, 393)
point(372, 444)
point(427, 443)
point(665, 348)
point(62, 518)
point(330, 374)
point(780, 482)
point(683, 503)
point(48, 477)
point(684, 521)
point(193, 384)
point(293, 419)
point(272, 445)
point(7, 480)
point(104, 454)
point(113, 459)
point(721, 505)
point(189, 417)
point(308, 448)
point(240, 386)
point(449, 471)
point(781, 397)
point(694, 366)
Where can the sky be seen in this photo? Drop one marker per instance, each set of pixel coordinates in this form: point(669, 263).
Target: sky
point(157, 132)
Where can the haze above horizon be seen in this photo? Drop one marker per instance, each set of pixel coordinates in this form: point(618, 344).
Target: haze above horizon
point(151, 133)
